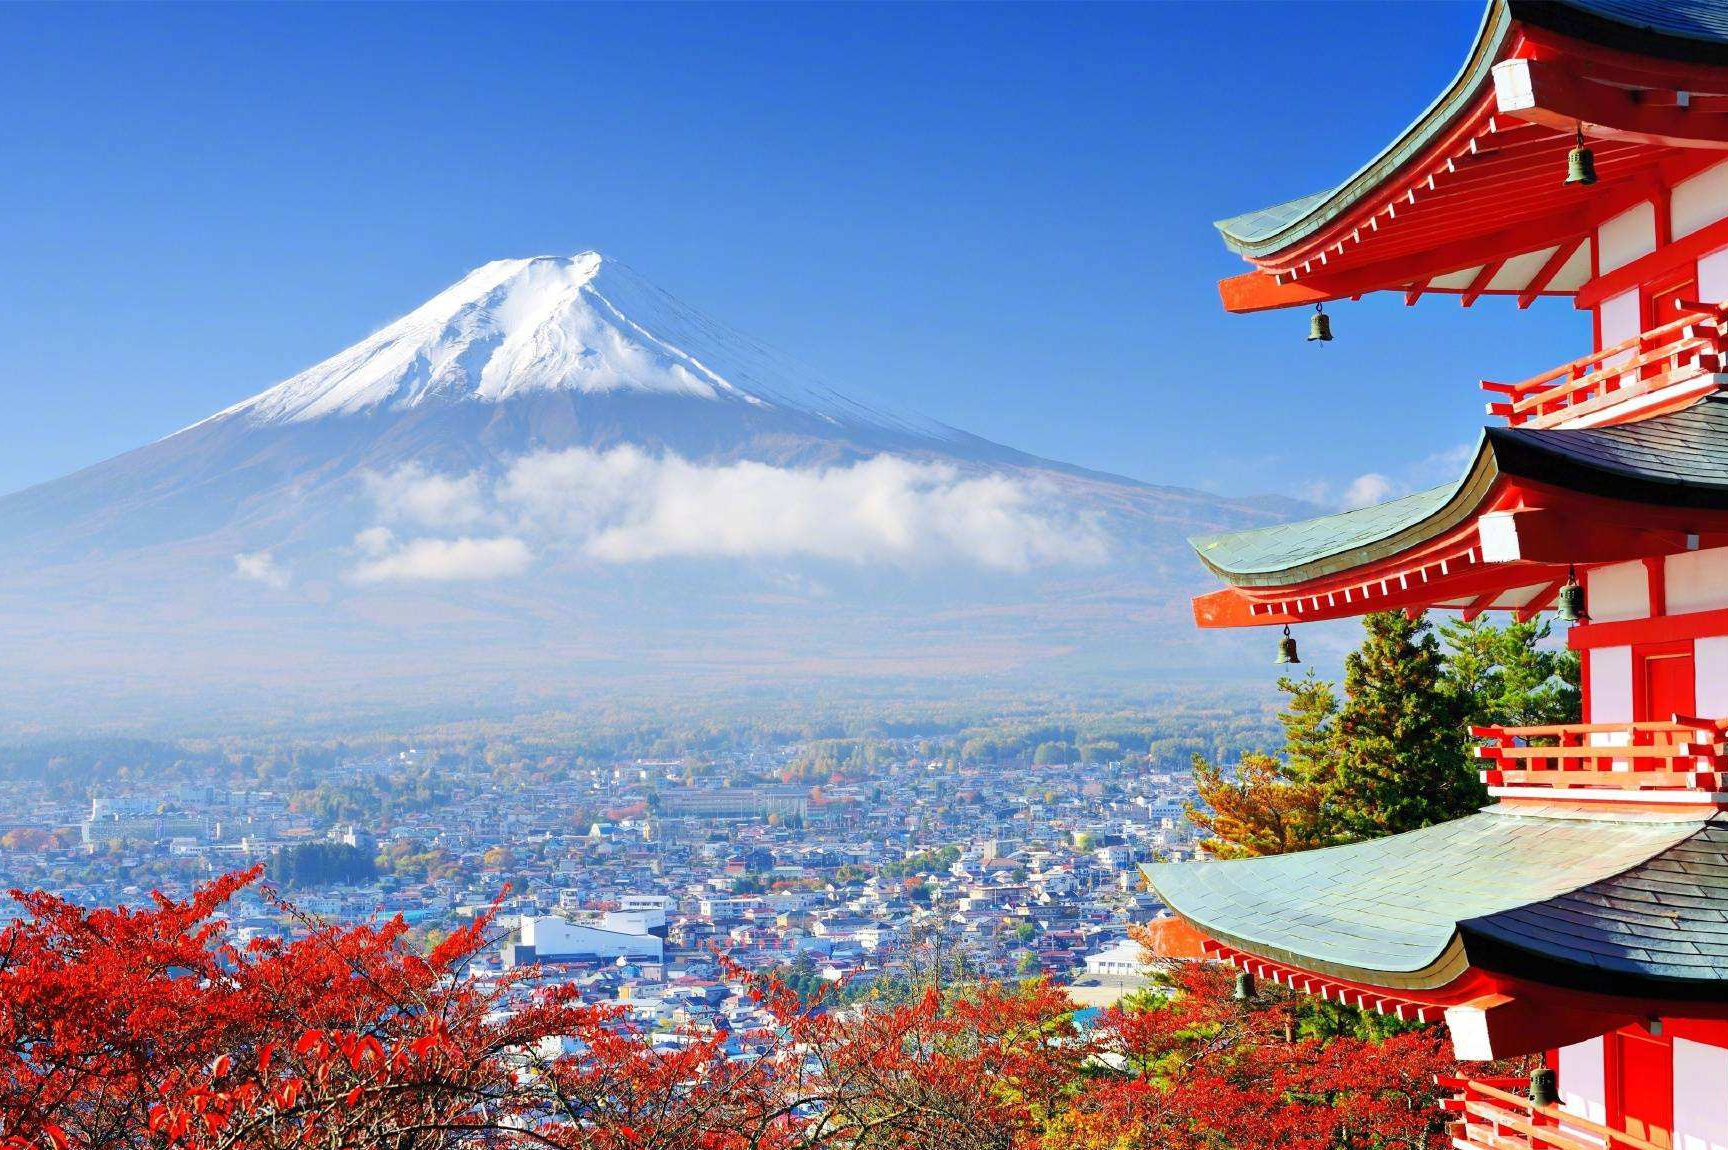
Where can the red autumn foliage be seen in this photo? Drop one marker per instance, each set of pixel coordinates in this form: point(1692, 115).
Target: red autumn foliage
point(151, 1028)
point(1202, 1071)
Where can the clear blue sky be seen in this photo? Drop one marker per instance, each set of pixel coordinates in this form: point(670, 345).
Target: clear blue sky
point(998, 216)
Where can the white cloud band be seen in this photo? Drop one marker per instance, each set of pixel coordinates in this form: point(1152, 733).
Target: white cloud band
point(627, 506)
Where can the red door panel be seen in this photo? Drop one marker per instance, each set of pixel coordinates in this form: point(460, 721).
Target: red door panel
point(1667, 686)
point(1662, 298)
point(1646, 1081)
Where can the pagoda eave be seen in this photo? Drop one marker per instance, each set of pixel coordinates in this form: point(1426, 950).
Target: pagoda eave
point(1489, 1016)
point(1527, 926)
point(1534, 507)
point(1471, 199)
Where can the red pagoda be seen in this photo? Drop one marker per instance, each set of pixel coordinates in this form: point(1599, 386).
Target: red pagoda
point(1582, 151)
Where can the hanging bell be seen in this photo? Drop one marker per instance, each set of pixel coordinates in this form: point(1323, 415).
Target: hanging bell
point(1542, 1086)
point(1319, 326)
point(1244, 991)
point(1570, 602)
point(1287, 648)
point(1580, 163)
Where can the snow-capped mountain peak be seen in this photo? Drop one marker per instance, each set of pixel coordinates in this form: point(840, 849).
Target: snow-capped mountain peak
point(581, 323)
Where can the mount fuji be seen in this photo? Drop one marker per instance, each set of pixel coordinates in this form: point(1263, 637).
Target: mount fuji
point(552, 479)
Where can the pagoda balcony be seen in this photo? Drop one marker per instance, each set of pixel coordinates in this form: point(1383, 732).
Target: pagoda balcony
point(1494, 1114)
point(1655, 371)
point(1684, 759)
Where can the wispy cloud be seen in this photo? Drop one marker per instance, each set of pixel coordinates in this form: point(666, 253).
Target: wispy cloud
point(442, 560)
point(411, 494)
point(261, 567)
point(628, 506)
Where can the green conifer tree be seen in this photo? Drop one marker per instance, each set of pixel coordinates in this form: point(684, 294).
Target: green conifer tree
point(1308, 718)
point(1508, 675)
point(1400, 735)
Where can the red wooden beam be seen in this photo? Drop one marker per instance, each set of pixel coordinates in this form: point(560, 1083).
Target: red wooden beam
point(1542, 600)
point(1235, 607)
point(1536, 189)
point(1550, 269)
point(1542, 92)
point(1445, 220)
point(1657, 264)
point(1623, 66)
point(1663, 629)
point(1480, 283)
point(1479, 604)
point(1260, 291)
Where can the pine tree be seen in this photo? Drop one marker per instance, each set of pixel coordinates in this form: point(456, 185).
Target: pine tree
point(1400, 735)
point(1310, 745)
point(1505, 675)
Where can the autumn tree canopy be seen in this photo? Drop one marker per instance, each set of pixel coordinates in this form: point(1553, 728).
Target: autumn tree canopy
point(151, 1028)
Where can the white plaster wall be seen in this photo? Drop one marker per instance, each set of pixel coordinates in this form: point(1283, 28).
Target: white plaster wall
point(1700, 200)
point(1713, 277)
point(1622, 318)
point(1710, 665)
point(1627, 236)
point(1576, 273)
point(1700, 1096)
point(1584, 1080)
point(1610, 685)
point(1619, 591)
point(1696, 580)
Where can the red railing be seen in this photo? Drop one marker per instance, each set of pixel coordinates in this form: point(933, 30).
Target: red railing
point(1684, 753)
point(1491, 1116)
point(1668, 364)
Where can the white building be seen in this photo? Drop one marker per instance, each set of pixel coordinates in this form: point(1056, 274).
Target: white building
point(554, 938)
point(1123, 960)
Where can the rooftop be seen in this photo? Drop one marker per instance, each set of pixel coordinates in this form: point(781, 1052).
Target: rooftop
point(1464, 200)
point(1431, 548)
point(1556, 889)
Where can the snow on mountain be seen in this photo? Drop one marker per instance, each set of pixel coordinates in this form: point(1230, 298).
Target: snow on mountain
point(583, 323)
point(553, 470)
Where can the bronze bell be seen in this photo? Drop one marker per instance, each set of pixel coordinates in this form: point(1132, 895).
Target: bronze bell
point(1570, 602)
point(1580, 163)
point(1319, 326)
point(1287, 648)
point(1542, 1087)
point(1244, 987)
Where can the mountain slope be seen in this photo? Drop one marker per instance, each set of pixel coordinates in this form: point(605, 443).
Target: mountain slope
point(554, 442)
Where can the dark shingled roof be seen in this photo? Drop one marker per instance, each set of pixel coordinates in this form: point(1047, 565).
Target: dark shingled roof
point(1701, 22)
point(1689, 30)
point(1667, 917)
point(1678, 459)
point(1555, 891)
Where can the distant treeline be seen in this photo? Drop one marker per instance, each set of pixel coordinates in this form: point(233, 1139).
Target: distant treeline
point(319, 864)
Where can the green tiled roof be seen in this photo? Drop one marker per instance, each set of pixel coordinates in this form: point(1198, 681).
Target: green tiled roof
point(1678, 459)
point(1694, 30)
point(1390, 912)
point(1290, 553)
point(1271, 549)
point(1251, 226)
